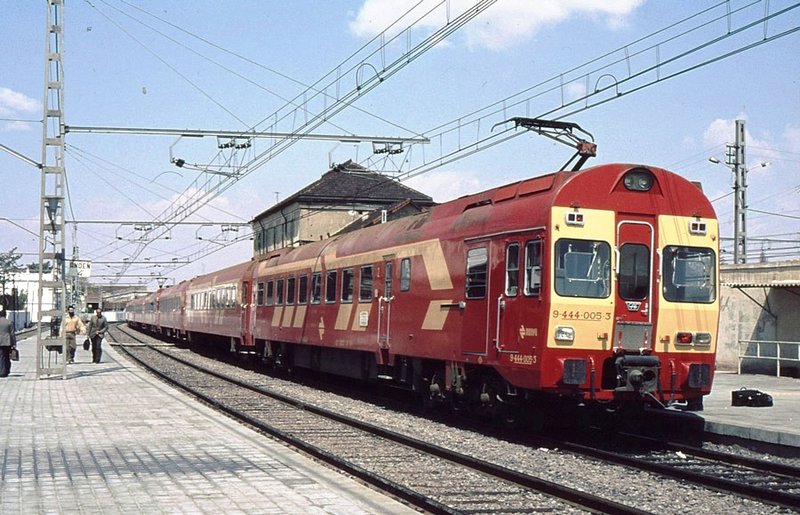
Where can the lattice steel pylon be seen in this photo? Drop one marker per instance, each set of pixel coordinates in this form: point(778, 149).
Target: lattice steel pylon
point(51, 346)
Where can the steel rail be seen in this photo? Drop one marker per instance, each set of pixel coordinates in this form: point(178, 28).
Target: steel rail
point(572, 496)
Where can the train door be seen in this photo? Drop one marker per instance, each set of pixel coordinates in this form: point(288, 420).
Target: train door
point(247, 314)
point(636, 276)
point(385, 299)
point(515, 294)
point(480, 308)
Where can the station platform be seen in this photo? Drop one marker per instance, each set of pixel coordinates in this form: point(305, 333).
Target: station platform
point(113, 439)
point(778, 424)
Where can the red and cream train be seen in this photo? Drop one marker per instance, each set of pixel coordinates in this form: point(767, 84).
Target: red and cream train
point(594, 285)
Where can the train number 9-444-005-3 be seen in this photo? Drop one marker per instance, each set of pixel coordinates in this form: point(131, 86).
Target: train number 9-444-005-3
point(582, 315)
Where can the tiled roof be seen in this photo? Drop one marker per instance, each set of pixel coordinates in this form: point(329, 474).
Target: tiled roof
point(349, 182)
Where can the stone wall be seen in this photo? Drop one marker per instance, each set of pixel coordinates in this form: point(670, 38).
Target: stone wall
point(759, 301)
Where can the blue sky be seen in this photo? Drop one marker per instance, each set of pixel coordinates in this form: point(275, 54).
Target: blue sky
point(229, 66)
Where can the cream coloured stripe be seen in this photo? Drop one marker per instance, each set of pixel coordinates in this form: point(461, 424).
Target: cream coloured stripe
point(436, 315)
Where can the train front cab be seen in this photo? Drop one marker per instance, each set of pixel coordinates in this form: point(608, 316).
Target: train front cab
point(634, 306)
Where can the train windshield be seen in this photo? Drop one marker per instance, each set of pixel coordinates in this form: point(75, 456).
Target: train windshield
point(583, 268)
point(690, 274)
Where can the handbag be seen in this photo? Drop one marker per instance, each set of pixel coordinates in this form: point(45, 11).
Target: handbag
point(14, 354)
point(750, 397)
point(86, 344)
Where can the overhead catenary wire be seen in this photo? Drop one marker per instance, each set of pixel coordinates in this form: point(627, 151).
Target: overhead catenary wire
point(253, 62)
point(501, 106)
point(505, 135)
point(213, 187)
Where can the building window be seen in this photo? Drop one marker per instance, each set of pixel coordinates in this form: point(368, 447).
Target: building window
point(365, 286)
point(330, 286)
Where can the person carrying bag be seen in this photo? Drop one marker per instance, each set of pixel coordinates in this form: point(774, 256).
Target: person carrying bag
point(8, 344)
point(97, 329)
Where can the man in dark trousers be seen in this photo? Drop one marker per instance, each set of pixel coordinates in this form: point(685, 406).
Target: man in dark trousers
point(71, 326)
point(8, 341)
point(97, 328)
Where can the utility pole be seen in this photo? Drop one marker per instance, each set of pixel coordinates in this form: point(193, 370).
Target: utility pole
point(736, 159)
point(51, 204)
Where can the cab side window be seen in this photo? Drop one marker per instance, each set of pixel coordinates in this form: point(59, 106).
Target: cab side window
point(512, 269)
point(533, 268)
point(477, 260)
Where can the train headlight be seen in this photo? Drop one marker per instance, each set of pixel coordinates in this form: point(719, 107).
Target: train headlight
point(702, 339)
point(565, 334)
point(683, 338)
point(638, 180)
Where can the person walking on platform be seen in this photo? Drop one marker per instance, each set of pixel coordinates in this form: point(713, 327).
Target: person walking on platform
point(98, 326)
point(72, 326)
point(8, 341)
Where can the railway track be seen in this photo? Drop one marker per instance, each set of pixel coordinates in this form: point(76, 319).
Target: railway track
point(432, 478)
point(762, 480)
point(766, 482)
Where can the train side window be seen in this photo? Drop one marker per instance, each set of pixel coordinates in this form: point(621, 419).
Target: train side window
point(261, 292)
point(291, 284)
point(405, 274)
point(316, 287)
point(387, 280)
point(365, 286)
point(302, 289)
point(330, 286)
point(533, 268)
point(477, 260)
point(512, 269)
point(270, 293)
point(279, 291)
point(348, 284)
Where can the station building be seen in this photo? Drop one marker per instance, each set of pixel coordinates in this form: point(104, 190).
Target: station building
point(346, 197)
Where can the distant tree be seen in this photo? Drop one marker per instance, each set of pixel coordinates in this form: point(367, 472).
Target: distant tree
point(9, 267)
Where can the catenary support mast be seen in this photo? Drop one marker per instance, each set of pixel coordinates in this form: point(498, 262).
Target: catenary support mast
point(52, 284)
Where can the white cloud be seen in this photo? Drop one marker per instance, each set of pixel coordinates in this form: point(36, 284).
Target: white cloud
point(575, 90)
point(722, 132)
point(15, 105)
point(12, 103)
point(791, 135)
point(504, 24)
